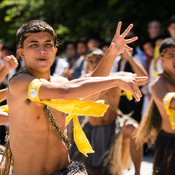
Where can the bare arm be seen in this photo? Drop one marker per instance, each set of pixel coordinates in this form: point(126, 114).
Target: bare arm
point(137, 67)
point(10, 63)
point(75, 89)
point(4, 118)
point(80, 88)
point(3, 73)
point(3, 94)
point(118, 45)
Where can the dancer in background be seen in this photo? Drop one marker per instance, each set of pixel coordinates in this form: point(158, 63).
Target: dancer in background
point(159, 123)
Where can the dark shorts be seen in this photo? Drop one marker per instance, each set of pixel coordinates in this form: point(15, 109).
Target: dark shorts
point(73, 168)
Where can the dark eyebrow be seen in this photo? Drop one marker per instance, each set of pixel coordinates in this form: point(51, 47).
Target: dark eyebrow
point(33, 41)
point(48, 41)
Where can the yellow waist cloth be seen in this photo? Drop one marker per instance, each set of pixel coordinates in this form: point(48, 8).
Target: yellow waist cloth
point(171, 112)
point(74, 108)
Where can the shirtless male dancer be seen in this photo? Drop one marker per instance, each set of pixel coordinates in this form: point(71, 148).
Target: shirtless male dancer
point(35, 145)
point(102, 130)
point(159, 123)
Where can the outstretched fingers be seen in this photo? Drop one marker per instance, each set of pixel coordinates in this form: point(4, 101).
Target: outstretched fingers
point(136, 93)
point(140, 79)
point(127, 30)
point(127, 41)
point(118, 28)
point(128, 48)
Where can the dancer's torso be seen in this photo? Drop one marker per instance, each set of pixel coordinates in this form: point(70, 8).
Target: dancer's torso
point(35, 145)
point(166, 126)
point(111, 97)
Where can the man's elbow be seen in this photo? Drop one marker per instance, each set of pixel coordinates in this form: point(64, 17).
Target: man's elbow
point(67, 93)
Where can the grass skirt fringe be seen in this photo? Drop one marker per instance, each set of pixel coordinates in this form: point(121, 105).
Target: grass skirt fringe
point(164, 157)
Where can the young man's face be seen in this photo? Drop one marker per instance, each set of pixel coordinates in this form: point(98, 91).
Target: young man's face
point(171, 30)
point(38, 51)
point(168, 60)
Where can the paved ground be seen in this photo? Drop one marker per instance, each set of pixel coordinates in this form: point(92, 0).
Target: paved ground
point(146, 166)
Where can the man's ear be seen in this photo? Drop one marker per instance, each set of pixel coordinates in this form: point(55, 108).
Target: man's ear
point(56, 50)
point(161, 58)
point(20, 52)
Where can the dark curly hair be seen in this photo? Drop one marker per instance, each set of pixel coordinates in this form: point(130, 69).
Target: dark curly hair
point(166, 43)
point(33, 26)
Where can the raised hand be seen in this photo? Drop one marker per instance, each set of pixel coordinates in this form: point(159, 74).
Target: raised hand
point(119, 43)
point(130, 83)
point(10, 63)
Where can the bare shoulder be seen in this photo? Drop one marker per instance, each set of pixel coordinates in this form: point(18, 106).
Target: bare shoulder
point(159, 88)
point(159, 83)
point(59, 79)
point(18, 85)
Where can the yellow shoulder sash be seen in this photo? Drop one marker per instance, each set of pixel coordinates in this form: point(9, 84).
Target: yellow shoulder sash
point(171, 112)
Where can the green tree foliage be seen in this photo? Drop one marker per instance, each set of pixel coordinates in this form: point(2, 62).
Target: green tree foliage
point(78, 19)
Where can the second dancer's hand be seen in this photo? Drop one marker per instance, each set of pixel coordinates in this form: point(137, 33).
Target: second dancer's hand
point(119, 43)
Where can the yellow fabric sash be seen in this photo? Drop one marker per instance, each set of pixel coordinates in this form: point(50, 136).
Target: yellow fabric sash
point(73, 108)
point(4, 108)
point(171, 112)
point(128, 95)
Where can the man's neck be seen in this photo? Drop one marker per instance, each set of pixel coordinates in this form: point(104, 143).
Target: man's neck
point(169, 76)
point(172, 76)
point(39, 75)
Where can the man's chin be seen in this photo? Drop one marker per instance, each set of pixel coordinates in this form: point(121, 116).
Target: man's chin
point(42, 68)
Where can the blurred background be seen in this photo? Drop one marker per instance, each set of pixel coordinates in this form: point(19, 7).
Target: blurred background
point(80, 19)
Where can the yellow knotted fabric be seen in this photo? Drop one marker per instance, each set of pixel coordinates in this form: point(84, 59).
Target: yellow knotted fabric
point(79, 137)
point(128, 95)
point(4, 108)
point(74, 108)
point(171, 112)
